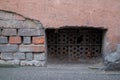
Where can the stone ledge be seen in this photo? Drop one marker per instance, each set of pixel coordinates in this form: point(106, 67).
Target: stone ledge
point(33, 63)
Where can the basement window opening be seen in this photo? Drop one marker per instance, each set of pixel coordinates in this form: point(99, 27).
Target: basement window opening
point(74, 44)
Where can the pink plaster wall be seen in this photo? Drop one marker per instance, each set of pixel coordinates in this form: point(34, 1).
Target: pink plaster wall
point(57, 13)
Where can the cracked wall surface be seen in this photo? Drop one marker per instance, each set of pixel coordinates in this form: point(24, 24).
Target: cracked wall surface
point(57, 13)
point(21, 40)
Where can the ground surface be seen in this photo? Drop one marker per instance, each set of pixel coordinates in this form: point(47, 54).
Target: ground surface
point(59, 72)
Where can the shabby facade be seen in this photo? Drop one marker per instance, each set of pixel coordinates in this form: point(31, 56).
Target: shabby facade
point(24, 36)
point(21, 40)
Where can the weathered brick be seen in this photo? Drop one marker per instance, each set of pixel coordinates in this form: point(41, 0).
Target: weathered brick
point(15, 40)
point(42, 32)
point(11, 20)
point(19, 55)
point(6, 56)
point(9, 32)
point(3, 40)
point(39, 57)
point(11, 24)
point(8, 48)
point(26, 40)
point(29, 32)
point(31, 48)
point(29, 56)
point(38, 40)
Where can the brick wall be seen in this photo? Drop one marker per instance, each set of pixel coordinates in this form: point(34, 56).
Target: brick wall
point(21, 40)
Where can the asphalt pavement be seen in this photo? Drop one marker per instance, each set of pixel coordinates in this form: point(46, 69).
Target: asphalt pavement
point(59, 72)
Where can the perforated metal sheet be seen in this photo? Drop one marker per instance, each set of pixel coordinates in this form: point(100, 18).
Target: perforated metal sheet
point(74, 44)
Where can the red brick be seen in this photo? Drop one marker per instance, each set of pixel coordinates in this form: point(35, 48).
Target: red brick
point(14, 40)
point(38, 40)
point(38, 48)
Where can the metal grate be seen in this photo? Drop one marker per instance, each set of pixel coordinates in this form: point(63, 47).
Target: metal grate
point(74, 44)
